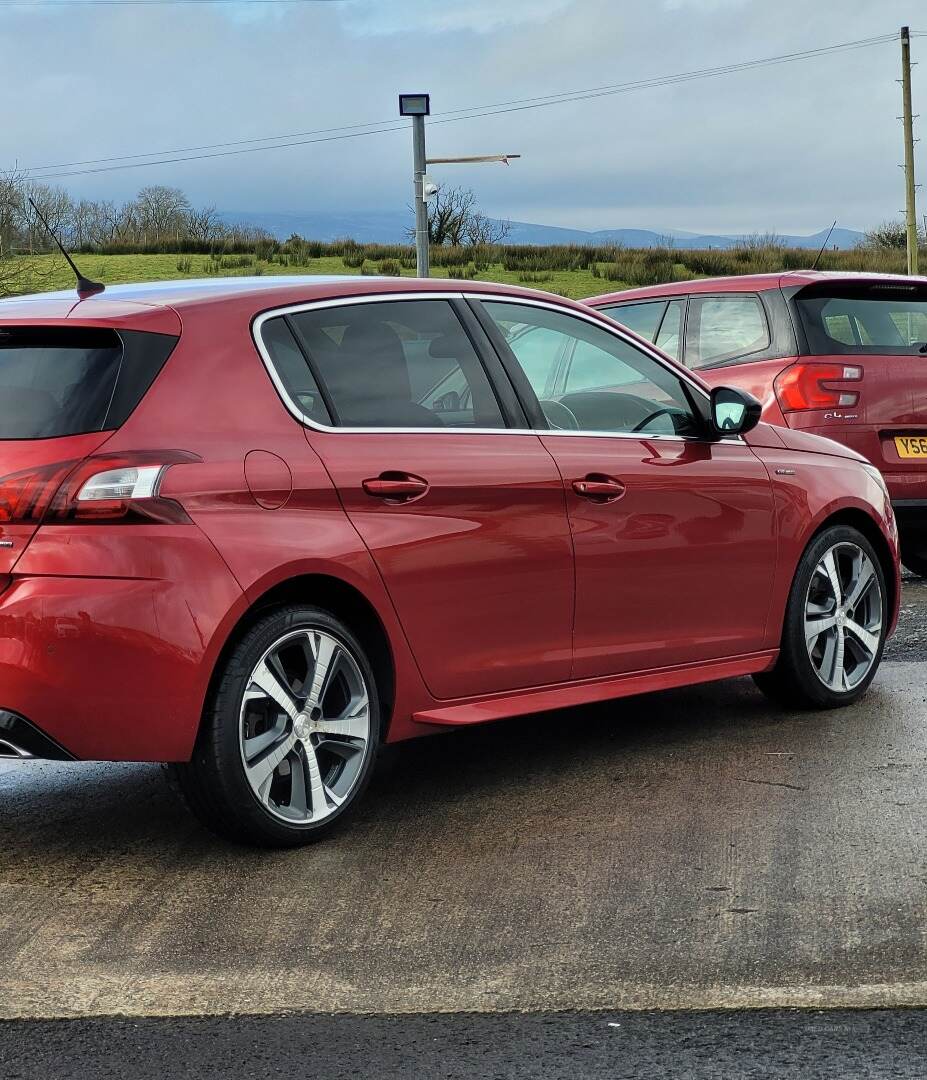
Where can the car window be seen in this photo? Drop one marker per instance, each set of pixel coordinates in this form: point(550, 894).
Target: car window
point(295, 374)
point(608, 385)
point(669, 339)
point(886, 318)
point(724, 328)
point(643, 319)
point(405, 363)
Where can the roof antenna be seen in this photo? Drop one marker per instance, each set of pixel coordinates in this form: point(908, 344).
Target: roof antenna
point(817, 257)
point(85, 287)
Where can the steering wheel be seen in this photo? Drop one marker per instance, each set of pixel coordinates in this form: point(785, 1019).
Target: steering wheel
point(558, 415)
point(653, 416)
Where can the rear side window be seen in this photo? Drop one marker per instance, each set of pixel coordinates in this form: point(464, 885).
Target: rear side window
point(62, 381)
point(878, 319)
point(393, 364)
point(724, 328)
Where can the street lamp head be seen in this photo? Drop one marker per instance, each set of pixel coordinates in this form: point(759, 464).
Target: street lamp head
point(414, 104)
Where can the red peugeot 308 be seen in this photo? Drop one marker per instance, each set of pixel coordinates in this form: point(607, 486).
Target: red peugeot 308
point(839, 355)
point(256, 528)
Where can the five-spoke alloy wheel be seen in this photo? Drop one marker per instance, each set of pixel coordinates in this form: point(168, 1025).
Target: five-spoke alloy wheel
point(291, 734)
point(305, 725)
point(843, 617)
point(834, 629)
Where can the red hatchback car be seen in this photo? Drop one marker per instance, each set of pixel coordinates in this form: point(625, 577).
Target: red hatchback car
point(259, 527)
point(840, 355)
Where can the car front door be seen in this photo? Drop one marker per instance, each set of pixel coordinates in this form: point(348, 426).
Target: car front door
point(673, 533)
point(464, 519)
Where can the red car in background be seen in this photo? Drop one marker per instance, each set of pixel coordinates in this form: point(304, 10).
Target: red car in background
point(256, 528)
point(839, 355)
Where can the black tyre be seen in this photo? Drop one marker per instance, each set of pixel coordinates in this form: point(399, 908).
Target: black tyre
point(289, 735)
point(834, 629)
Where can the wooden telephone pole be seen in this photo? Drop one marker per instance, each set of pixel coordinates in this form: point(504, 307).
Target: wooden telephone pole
point(908, 122)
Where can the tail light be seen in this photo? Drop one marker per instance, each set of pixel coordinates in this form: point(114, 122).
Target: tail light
point(817, 386)
point(109, 488)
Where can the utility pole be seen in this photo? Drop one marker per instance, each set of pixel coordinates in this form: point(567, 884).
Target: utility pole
point(418, 106)
point(908, 122)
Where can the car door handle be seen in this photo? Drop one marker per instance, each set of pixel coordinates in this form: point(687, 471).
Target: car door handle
point(395, 486)
point(599, 488)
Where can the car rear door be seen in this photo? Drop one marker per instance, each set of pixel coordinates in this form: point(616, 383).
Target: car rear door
point(674, 534)
point(461, 508)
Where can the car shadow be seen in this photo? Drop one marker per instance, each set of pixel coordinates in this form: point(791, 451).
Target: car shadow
point(75, 811)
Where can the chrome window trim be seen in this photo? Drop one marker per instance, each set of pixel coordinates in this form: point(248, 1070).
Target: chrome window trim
point(345, 301)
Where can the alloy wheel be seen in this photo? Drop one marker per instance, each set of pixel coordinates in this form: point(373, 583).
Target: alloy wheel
point(843, 617)
point(304, 726)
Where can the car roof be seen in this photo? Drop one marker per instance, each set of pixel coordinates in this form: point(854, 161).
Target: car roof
point(167, 302)
point(747, 283)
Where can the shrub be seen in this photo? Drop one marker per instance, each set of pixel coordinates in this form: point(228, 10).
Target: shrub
point(184, 265)
point(530, 276)
point(390, 267)
point(354, 259)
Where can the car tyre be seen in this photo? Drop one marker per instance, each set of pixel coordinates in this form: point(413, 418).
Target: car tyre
point(812, 672)
point(290, 732)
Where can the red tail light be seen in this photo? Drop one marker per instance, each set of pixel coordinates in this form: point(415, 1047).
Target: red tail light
point(817, 386)
point(110, 488)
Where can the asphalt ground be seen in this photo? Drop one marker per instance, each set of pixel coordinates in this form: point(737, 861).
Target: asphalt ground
point(696, 849)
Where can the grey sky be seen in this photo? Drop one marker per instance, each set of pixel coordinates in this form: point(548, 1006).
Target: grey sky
point(785, 148)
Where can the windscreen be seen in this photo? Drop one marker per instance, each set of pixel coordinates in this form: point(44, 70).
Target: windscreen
point(57, 381)
point(880, 318)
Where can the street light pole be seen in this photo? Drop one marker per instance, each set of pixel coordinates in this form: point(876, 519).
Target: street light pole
point(421, 210)
point(418, 106)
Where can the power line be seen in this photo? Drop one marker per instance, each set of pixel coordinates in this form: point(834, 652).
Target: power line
point(278, 142)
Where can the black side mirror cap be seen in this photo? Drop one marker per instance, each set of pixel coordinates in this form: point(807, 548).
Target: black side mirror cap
point(733, 411)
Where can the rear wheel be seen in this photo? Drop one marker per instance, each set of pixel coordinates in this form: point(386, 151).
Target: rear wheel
point(290, 734)
point(834, 629)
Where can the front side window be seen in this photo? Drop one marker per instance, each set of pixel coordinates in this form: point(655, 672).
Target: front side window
point(724, 328)
point(643, 319)
point(606, 383)
point(391, 364)
point(883, 318)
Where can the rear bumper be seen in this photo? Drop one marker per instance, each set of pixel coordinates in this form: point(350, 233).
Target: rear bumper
point(112, 667)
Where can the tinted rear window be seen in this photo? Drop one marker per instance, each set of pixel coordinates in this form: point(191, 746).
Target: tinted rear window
point(62, 381)
point(873, 319)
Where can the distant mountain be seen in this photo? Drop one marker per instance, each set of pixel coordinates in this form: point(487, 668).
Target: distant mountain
point(391, 227)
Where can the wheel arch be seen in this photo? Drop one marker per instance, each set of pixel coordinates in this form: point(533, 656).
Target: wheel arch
point(344, 601)
point(864, 523)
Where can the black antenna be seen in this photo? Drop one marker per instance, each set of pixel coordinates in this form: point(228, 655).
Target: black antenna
point(85, 287)
point(817, 257)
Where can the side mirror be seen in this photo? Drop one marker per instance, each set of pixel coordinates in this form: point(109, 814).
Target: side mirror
point(733, 411)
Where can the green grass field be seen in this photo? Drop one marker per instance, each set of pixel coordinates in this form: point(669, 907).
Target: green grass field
point(47, 272)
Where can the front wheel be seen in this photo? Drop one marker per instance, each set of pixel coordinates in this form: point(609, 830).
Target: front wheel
point(290, 734)
point(834, 629)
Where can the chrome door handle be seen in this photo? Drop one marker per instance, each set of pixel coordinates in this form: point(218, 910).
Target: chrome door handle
point(599, 488)
point(395, 486)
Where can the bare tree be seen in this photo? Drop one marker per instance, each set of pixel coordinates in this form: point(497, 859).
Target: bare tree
point(203, 225)
point(453, 219)
point(162, 212)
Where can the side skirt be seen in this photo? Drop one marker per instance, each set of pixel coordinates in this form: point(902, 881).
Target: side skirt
point(585, 692)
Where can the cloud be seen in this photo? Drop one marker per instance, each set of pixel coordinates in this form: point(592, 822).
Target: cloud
point(788, 147)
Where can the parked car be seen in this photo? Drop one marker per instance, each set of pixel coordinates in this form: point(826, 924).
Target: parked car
point(841, 355)
point(257, 528)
